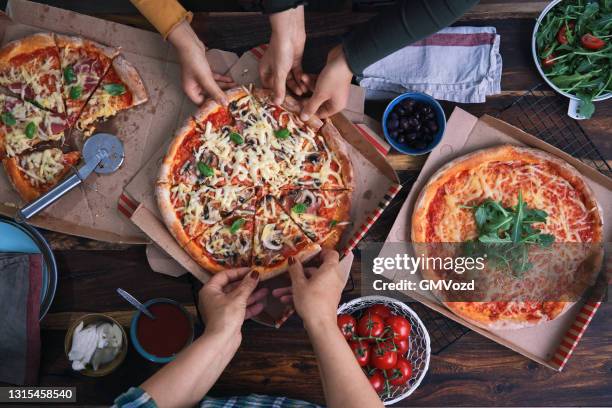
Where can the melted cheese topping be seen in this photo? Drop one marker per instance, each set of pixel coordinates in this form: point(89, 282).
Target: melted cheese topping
point(568, 218)
point(42, 167)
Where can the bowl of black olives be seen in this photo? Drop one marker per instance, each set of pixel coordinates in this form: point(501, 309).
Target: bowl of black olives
point(414, 123)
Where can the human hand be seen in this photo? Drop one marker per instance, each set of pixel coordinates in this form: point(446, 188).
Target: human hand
point(229, 298)
point(282, 61)
point(315, 292)
point(197, 77)
point(331, 90)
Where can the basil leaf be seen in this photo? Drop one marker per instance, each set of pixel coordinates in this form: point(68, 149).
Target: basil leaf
point(114, 89)
point(333, 223)
point(299, 208)
point(69, 75)
point(8, 119)
point(205, 169)
point(76, 91)
point(282, 133)
point(236, 138)
point(236, 225)
point(30, 130)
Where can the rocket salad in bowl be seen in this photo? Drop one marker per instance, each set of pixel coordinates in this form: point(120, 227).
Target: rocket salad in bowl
point(573, 50)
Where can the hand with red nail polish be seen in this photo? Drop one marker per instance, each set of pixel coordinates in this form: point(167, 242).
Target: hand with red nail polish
point(229, 298)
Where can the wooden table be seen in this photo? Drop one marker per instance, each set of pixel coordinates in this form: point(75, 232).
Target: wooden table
point(471, 371)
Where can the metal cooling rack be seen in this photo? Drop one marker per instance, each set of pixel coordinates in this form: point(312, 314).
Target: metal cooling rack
point(544, 115)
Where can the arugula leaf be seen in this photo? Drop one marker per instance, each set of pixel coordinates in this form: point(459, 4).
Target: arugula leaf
point(8, 119)
point(114, 89)
point(518, 219)
point(299, 208)
point(236, 138)
point(75, 92)
point(236, 225)
point(205, 169)
point(30, 130)
point(69, 75)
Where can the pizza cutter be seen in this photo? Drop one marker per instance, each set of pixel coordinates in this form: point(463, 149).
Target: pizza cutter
point(102, 153)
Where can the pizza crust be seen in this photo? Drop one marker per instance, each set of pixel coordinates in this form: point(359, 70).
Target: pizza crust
point(130, 77)
point(64, 41)
point(172, 221)
point(305, 255)
point(337, 145)
point(25, 45)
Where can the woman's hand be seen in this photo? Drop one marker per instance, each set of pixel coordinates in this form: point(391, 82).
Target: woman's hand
point(331, 90)
point(197, 77)
point(315, 292)
point(229, 298)
point(282, 61)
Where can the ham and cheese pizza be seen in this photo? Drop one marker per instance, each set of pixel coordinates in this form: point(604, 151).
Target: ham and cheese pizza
point(256, 169)
point(550, 188)
point(52, 84)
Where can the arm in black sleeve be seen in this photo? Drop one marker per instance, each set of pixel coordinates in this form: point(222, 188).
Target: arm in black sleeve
point(403, 24)
point(275, 6)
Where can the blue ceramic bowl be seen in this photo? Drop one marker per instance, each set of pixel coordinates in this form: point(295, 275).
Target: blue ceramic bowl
point(440, 118)
point(134, 333)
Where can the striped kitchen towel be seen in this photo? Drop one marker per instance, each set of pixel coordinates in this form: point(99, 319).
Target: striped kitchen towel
point(459, 64)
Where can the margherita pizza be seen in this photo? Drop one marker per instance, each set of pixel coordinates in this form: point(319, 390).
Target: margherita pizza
point(252, 185)
point(562, 205)
point(57, 82)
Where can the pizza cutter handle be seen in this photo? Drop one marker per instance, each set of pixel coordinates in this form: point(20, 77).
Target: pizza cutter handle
point(56, 192)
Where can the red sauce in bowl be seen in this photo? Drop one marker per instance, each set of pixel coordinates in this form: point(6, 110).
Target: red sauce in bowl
point(168, 333)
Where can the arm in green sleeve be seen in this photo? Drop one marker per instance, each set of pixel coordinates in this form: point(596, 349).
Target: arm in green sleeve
point(401, 25)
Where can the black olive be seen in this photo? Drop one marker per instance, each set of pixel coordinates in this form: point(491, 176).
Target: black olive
point(417, 115)
point(317, 183)
point(420, 144)
point(433, 126)
point(425, 109)
point(394, 134)
point(412, 136)
point(393, 116)
point(400, 110)
point(392, 124)
point(404, 123)
point(431, 115)
point(258, 261)
point(297, 240)
point(313, 158)
point(401, 139)
point(428, 138)
point(425, 130)
point(233, 105)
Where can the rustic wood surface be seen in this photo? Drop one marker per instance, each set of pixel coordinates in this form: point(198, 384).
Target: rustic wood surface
point(472, 371)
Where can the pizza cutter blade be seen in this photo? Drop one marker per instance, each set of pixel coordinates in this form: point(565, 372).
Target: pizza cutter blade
point(102, 153)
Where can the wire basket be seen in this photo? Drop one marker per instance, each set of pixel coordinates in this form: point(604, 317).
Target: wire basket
point(419, 350)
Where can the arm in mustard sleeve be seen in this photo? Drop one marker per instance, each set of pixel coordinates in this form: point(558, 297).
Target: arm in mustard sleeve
point(163, 14)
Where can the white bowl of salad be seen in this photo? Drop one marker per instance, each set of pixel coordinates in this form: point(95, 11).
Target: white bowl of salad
point(572, 49)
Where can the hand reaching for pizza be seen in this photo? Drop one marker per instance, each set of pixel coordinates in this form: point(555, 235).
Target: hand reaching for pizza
point(229, 298)
point(198, 79)
point(331, 90)
point(315, 292)
point(282, 61)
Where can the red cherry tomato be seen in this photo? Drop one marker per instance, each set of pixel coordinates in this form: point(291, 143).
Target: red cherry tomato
point(400, 326)
point(377, 380)
point(589, 41)
point(370, 325)
point(347, 325)
point(562, 33)
point(381, 310)
point(549, 61)
point(401, 373)
point(383, 357)
point(402, 346)
point(361, 350)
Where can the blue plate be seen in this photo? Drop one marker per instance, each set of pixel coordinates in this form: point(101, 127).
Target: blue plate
point(440, 118)
point(16, 237)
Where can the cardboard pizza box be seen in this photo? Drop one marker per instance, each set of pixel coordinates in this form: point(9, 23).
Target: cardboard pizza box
point(551, 343)
point(90, 210)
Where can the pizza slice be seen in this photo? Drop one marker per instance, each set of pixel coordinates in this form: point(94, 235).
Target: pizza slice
point(83, 63)
point(277, 238)
point(225, 244)
point(121, 88)
point(322, 215)
point(34, 174)
point(30, 68)
point(23, 126)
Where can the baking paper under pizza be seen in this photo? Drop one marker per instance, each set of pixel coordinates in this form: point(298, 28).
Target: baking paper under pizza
point(250, 184)
point(549, 189)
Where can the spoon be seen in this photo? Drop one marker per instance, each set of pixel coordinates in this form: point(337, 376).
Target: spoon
point(134, 302)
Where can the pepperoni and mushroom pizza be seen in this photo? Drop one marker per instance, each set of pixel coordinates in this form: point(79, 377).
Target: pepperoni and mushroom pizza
point(51, 84)
point(512, 197)
point(250, 184)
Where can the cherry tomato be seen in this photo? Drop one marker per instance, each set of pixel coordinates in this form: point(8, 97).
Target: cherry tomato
point(383, 357)
point(347, 325)
point(549, 61)
point(589, 41)
point(400, 326)
point(401, 373)
point(377, 380)
point(562, 33)
point(381, 310)
point(402, 346)
point(361, 350)
point(370, 325)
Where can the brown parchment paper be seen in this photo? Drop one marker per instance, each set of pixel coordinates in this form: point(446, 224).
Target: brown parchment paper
point(466, 133)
